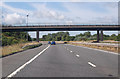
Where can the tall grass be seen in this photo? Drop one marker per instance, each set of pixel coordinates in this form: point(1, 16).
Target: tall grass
point(6, 50)
point(102, 47)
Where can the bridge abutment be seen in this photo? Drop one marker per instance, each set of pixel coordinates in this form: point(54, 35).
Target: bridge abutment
point(37, 36)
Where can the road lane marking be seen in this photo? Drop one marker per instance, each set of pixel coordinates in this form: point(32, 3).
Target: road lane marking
point(91, 64)
point(71, 51)
point(21, 67)
point(97, 49)
point(77, 55)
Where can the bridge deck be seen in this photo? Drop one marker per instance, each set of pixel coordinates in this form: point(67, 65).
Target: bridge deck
point(61, 28)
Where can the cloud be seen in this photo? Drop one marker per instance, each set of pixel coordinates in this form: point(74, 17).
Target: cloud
point(15, 10)
point(77, 13)
point(47, 13)
point(14, 19)
point(94, 0)
point(61, 0)
point(69, 22)
point(12, 15)
point(91, 15)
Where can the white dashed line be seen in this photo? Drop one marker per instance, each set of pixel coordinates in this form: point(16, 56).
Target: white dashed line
point(21, 67)
point(77, 55)
point(97, 49)
point(71, 51)
point(91, 64)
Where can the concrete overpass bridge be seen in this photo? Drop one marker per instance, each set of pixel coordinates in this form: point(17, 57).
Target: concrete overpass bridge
point(38, 28)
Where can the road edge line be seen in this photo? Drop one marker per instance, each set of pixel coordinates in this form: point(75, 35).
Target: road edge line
point(28, 62)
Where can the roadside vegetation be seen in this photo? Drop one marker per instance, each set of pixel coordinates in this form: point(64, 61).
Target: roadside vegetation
point(12, 49)
point(31, 46)
point(13, 42)
point(87, 36)
point(110, 48)
point(10, 38)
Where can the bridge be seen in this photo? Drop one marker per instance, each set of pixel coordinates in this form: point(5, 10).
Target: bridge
point(62, 28)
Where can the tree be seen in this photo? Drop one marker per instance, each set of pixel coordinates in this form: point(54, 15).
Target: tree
point(67, 38)
point(63, 38)
point(87, 34)
point(9, 38)
point(72, 38)
point(80, 35)
point(58, 38)
point(118, 37)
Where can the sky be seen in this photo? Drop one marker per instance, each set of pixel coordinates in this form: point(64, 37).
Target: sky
point(14, 13)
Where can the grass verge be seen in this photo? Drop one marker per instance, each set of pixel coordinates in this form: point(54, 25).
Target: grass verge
point(101, 47)
point(12, 49)
point(31, 46)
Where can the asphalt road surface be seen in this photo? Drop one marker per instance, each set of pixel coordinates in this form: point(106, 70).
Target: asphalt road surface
point(61, 61)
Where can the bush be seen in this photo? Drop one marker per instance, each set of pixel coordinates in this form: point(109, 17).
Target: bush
point(9, 38)
point(32, 46)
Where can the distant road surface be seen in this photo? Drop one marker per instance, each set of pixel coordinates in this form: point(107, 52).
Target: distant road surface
point(61, 61)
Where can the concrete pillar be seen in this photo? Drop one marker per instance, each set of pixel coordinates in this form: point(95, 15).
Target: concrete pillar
point(101, 35)
point(98, 37)
point(37, 36)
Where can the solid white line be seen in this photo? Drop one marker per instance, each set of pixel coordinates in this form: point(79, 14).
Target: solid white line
point(91, 64)
point(20, 68)
point(77, 55)
point(97, 49)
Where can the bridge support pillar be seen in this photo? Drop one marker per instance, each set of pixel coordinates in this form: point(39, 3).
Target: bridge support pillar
point(37, 36)
point(101, 35)
point(98, 37)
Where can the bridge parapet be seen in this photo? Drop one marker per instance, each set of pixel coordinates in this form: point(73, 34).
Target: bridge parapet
point(67, 26)
point(61, 28)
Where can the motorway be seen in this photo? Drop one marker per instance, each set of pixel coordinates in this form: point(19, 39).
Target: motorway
point(60, 60)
